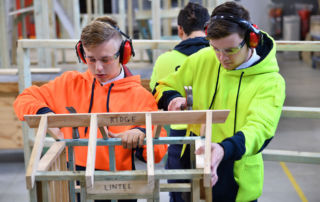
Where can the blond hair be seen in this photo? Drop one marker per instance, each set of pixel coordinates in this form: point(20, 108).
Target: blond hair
point(100, 30)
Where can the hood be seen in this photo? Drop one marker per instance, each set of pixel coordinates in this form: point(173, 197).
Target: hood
point(192, 45)
point(267, 63)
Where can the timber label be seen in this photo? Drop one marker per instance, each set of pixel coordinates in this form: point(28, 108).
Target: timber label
point(121, 119)
point(120, 186)
point(115, 187)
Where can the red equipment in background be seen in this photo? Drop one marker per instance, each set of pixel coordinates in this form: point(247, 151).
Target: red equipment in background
point(305, 22)
point(30, 22)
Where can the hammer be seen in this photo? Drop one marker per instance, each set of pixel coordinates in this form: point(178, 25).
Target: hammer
point(75, 131)
point(189, 97)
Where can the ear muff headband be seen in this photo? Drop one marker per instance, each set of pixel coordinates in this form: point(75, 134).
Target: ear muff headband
point(253, 34)
point(126, 49)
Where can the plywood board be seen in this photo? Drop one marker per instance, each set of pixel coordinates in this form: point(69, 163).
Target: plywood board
point(11, 131)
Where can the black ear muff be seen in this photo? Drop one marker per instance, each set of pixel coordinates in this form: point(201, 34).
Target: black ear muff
point(80, 52)
point(126, 51)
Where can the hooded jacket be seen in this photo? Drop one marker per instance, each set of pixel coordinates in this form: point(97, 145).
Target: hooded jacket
point(169, 62)
point(254, 96)
point(85, 95)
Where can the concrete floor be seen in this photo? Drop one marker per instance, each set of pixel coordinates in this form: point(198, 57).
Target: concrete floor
point(303, 89)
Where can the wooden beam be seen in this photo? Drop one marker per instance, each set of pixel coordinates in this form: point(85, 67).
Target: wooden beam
point(122, 13)
point(150, 154)
point(14, 71)
point(130, 18)
point(55, 134)
point(301, 112)
point(51, 156)
point(4, 54)
point(41, 16)
point(76, 19)
point(89, 10)
point(104, 132)
point(207, 151)
point(298, 45)
point(195, 190)
point(36, 152)
point(129, 118)
point(24, 67)
point(157, 131)
point(161, 44)
point(91, 158)
point(121, 175)
point(291, 156)
point(22, 11)
point(176, 187)
point(164, 14)
point(199, 158)
point(119, 188)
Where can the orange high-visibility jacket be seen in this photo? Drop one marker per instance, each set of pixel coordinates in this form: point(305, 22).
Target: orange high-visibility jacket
point(76, 89)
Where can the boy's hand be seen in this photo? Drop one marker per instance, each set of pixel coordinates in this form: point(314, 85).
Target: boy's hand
point(177, 104)
point(217, 153)
point(130, 139)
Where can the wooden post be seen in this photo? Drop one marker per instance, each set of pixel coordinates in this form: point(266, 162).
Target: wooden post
point(24, 82)
point(207, 156)
point(150, 157)
point(122, 13)
point(36, 152)
point(89, 10)
point(76, 19)
point(130, 18)
point(167, 31)
point(71, 167)
point(4, 59)
point(42, 30)
point(92, 145)
point(156, 25)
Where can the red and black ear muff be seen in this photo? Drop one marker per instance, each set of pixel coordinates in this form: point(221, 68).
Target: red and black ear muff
point(126, 51)
point(126, 48)
point(205, 28)
point(80, 52)
point(254, 36)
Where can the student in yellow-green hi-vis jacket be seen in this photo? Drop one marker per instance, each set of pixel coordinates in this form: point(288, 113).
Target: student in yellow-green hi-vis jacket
point(191, 21)
point(238, 72)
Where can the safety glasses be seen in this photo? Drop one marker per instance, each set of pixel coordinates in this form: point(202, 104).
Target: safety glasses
point(229, 51)
point(105, 60)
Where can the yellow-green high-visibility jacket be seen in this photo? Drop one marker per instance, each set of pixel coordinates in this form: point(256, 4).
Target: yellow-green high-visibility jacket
point(170, 61)
point(254, 96)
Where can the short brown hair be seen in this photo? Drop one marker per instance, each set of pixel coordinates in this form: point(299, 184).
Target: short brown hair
point(98, 31)
point(193, 17)
point(220, 28)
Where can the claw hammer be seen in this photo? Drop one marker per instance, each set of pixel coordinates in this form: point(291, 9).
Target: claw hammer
point(189, 98)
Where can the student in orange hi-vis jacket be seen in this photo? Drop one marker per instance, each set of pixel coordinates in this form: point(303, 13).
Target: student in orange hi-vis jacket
point(107, 86)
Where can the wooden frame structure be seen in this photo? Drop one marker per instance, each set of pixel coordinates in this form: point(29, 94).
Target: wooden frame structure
point(52, 179)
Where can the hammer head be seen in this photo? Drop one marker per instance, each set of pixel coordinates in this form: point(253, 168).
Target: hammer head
point(189, 97)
